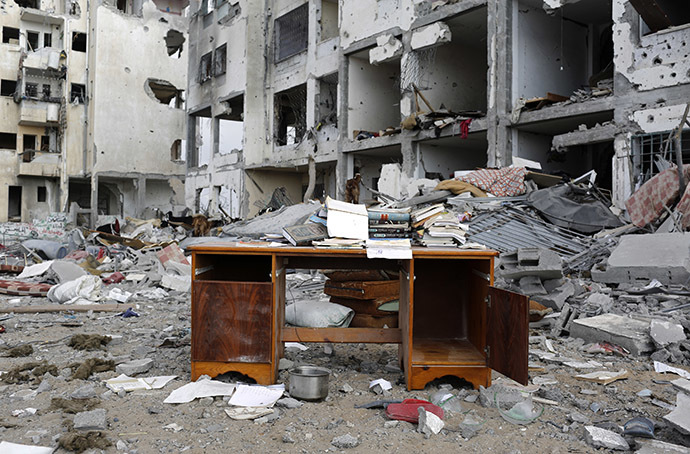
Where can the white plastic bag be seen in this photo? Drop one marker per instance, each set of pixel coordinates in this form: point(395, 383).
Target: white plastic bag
point(85, 290)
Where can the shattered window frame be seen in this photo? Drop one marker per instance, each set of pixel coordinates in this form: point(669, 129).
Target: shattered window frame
point(78, 92)
point(646, 148)
point(220, 60)
point(5, 86)
point(79, 44)
point(9, 33)
point(31, 90)
point(205, 67)
point(291, 33)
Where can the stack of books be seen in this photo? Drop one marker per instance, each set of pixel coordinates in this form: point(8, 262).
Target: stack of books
point(423, 215)
point(389, 223)
point(446, 227)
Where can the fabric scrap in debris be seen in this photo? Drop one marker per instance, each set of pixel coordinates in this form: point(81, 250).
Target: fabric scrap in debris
point(648, 202)
point(459, 187)
point(505, 182)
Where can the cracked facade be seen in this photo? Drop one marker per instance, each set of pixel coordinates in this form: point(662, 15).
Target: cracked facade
point(92, 107)
point(303, 78)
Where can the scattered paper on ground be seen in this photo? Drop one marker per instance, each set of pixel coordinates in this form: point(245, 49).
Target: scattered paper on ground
point(13, 448)
point(198, 389)
point(256, 396)
point(248, 412)
point(132, 384)
point(662, 368)
point(603, 376)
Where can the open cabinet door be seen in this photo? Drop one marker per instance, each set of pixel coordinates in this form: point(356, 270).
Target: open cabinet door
point(507, 333)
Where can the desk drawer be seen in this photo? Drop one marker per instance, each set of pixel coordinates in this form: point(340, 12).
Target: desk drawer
point(231, 321)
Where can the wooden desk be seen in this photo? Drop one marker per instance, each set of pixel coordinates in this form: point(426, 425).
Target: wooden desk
point(451, 320)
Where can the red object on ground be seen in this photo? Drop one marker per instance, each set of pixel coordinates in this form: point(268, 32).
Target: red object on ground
point(19, 288)
point(407, 410)
point(101, 253)
point(114, 278)
point(2, 329)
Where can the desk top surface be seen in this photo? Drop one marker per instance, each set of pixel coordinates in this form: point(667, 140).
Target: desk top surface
point(260, 248)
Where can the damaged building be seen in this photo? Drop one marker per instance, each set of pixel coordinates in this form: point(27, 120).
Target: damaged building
point(301, 96)
point(92, 103)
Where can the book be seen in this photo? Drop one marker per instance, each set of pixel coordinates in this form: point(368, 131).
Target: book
point(303, 234)
point(391, 235)
point(388, 230)
point(427, 212)
point(388, 215)
point(346, 220)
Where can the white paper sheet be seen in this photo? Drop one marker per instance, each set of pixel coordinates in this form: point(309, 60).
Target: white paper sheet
point(389, 249)
point(347, 220)
point(35, 270)
point(13, 448)
point(385, 384)
point(132, 384)
point(296, 345)
point(255, 396)
point(661, 367)
point(198, 389)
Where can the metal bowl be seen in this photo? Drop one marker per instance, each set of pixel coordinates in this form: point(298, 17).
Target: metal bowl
point(309, 382)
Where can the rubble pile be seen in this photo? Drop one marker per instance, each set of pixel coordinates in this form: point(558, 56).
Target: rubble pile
point(95, 329)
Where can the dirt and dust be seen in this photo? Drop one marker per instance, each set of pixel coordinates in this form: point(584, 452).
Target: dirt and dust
point(139, 421)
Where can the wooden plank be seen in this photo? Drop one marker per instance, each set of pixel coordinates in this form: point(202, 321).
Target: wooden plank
point(507, 334)
point(259, 372)
point(63, 308)
point(476, 375)
point(343, 335)
point(232, 321)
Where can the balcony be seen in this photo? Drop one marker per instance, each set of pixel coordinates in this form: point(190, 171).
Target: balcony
point(43, 164)
point(46, 62)
point(41, 17)
point(33, 112)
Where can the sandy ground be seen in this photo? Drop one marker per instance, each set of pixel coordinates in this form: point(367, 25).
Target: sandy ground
point(136, 420)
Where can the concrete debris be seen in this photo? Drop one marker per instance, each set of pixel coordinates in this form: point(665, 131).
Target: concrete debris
point(602, 438)
point(640, 258)
point(660, 447)
point(91, 420)
point(629, 333)
point(541, 263)
point(679, 418)
point(664, 332)
point(346, 441)
point(429, 423)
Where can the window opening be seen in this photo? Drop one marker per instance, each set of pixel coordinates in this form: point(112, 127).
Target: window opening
point(79, 41)
point(77, 94)
point(220, 60)
point(47, 40)
point(291, 115)
point(654, 153)
point(329, 19)
point(292, 33)
point(8, 141)
point(661, 14)
point(29, 148)
point(45, 143)
point(14, 206)
point(31, 90)
point(8, 87)
point(176, 150)
point(10, 35)
point(328, 99)
point(32, 40)
point(46, 90)
point(36, 4)
point(41, 194)
point(205, 68)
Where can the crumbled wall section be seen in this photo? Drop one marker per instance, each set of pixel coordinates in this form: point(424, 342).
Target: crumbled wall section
point(653, 61)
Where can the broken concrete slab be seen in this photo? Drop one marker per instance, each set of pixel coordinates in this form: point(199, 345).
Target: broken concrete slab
point(557, 298)
point(682, 384)
point(641, 258)
point(539, 262)
point(629, 333)
point(91, 420)
point(430, 36)
point(664, 332)
point(531, 285)
point(660, 447)
point(602, 438)
point(680, 417)
point(388, 48)
point(137, 366)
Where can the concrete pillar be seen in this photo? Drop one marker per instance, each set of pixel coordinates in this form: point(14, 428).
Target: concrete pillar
point(94, 201)
point(499, 52)
point(344, 166)
point(140, 187)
